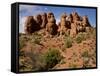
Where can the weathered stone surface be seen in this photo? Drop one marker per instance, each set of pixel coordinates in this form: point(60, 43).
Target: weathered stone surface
point(30, 25)
point(75, 16)
point(33, 24)
point(85, 21)
point(64, 24)
point(73, 31)
point(38, 19)
point(51, 26)
point(70, 18)
point(71, 24)
point(44, 20)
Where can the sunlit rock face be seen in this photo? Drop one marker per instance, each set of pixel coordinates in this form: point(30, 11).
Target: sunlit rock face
point(71, 24)
point(51, 26)
point(30, 23)
point(44, 20)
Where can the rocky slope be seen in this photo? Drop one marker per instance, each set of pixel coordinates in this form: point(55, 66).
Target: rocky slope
point(46, 45)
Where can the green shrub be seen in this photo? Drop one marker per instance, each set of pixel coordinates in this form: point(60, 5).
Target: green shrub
point(36, 35)
point(37, 41)
point(68, 42)
point(80, 37)
point(22, 41)
point(93, 32)
point(21, 53)
point(24, 65)
point(85, 54)
point(36, 38)
point(52, 57)
point(86, 57)
point(31, 62)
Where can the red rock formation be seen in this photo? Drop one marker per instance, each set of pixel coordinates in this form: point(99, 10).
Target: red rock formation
point(85, 21)
point(70, 18)
point(72, 24)
point(75, 16)
point(51, 26)
point(44, 20)
point(38, 19)
point(73, 31)
point(29, 25)
point(64, 25)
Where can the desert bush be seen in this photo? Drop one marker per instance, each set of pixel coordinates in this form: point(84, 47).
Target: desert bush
point(93, 32)
point(22, 41)
point(36, 38)
point(68, 42)
point(85, 54)
point(24, 64)
point(86, 59)
point(85, 62)
point(80, 37)
point(37, 41)
point(31, 62)
point(35, 34)
point(21, 53)
point(51, 58)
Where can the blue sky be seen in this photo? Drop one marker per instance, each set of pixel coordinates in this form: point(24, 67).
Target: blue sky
point(32, 10)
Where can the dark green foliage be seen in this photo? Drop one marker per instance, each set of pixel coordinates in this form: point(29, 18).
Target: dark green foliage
point(31, 61)
point(80, 37)
point(85, 54)
point(86, 59)
point(68, 42)
point(37, 41)
point(36, 38)
point(52, 57)
point(22, 41)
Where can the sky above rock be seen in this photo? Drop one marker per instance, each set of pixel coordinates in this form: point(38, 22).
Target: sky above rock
point(32, 10)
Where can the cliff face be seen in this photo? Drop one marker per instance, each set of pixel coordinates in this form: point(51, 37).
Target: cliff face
point(73, 24)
